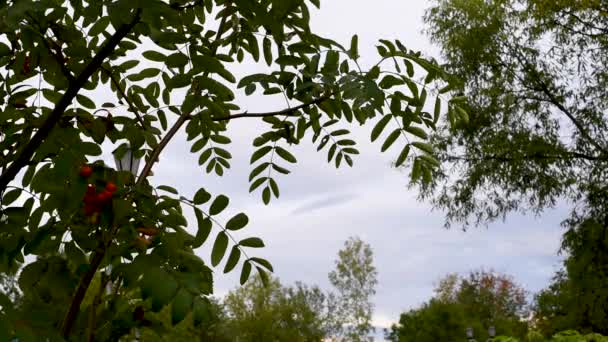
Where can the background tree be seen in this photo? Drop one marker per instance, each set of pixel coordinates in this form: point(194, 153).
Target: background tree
point(355, 279)
point(533, 72)
point(577, 297)
point(479, 300)
point(276, 313)
point(535, 77)
point(165, 68)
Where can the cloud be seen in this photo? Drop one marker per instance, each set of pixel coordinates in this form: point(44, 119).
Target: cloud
point(323, 203)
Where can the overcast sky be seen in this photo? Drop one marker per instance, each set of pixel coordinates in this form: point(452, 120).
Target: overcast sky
point(320, 207)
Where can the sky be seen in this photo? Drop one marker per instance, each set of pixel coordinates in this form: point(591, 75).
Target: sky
point(321, 207)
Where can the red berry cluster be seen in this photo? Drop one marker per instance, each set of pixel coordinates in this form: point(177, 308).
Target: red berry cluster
point(95, 201)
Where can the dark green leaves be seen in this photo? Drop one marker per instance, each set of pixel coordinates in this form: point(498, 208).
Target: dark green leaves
point(252, 242)
point(380, 127)
point(159, 286)
point(245, 271)
point(182, 303)
point(201, 196)
point(283, 153)
point(237, 222)
point(154, 56)
point(219, 248)
point(204, 228)
point(219, 204)
point(233, 259)
point(354, 47)
point(176, 60)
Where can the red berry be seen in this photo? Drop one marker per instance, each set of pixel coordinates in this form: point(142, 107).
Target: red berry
point(89, 209)
point(104, 197)
point(111, 187)
point(91, 189)
point(86, 171)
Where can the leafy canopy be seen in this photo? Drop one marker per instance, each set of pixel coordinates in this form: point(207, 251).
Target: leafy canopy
point(535, 77)
point(167, 68)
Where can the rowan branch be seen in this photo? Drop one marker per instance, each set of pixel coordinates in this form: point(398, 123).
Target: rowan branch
point(69, 95)
point(285, 112)
point(181, 120)
point(124, 95)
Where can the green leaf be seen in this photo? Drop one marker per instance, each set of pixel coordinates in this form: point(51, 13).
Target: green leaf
point(99, 26)
point(204, 228)
point(283, 153)
point(10, 196)
point(437, 111)
point(257, 170)
point(158, 285)
point(252, 242)
point(257, 183)
point(233, 259)
point(402, 156)
point(85, 101)
point(265, 263)
point(219, 204)
point(354, 47)
point(274, 187)
point(176, 60)
point(219, 248)
point(417, 131)
point(390, 139)
point(245, 272)
point(167, 189)
point(266, 195)
point(267, 46)
point(260, 153)
point(263, 276)
point(201, 196)
point(390, 81)
point(237, 222)
point(379, 127)
point(200, 310)
point(182, 303)
point(154, 56)
point(423, 146)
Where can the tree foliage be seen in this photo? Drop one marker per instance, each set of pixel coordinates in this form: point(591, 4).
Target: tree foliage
point(355, 280)
point(535, 78)
point(274, 312)
point(576, 299)
point(534, 73)
point(479, 300)
point(166, 68)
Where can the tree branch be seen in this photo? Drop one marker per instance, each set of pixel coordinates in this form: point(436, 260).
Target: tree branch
point(124, 95)
point(183, 117)
point(73, 89)
point(284, 112)
point(83, 286)
point(506, 158)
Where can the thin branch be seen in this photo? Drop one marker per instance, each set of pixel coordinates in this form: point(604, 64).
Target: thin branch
point(93, 313)
point(124, 96)
point(506, 158)
point(182, 119)
point(284, 112)
point(73, 89)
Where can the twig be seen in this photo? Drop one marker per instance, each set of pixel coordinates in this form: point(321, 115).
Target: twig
point(284, 112)
point(124, 95)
